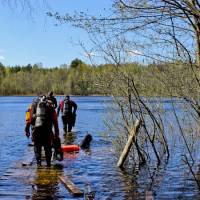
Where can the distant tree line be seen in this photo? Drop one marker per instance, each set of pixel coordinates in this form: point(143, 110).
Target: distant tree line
point(80, 78)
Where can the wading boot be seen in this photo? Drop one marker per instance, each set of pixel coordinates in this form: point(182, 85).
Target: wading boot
point(48, 163)
point(39, 163)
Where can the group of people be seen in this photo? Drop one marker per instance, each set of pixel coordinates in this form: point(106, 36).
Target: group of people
point(41, 116)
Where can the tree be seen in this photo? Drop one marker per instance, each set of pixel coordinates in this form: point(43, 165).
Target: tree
point(160, 31)
point(2, 70)
point(163, 32)
point(168, 21)
point(75, 63)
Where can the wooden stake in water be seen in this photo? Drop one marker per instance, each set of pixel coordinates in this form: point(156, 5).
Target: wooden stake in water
point(149, 195)
point(129, 143)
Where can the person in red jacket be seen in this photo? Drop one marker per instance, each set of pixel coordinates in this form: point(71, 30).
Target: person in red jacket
point(52, 98)
point(68, 109)
point(42, 118)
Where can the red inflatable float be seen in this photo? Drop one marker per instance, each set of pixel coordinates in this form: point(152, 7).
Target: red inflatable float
point(70, 148)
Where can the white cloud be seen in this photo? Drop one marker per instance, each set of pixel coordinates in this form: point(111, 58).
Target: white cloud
point(2, 57)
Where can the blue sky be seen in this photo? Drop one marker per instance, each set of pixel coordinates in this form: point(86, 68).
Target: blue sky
point(30, 36)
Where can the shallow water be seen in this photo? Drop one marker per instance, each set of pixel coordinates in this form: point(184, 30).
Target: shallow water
point(96, 167)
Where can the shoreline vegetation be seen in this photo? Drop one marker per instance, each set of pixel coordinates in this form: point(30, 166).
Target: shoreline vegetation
point(81, 79)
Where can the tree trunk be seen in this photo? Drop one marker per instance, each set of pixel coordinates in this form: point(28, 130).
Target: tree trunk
point(197, 32)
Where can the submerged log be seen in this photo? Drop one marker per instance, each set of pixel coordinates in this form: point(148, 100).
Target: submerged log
point(71, 186)
point(129, 143)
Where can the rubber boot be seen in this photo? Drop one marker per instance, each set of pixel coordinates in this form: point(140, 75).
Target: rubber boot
point(65, 129)
point(37, 150)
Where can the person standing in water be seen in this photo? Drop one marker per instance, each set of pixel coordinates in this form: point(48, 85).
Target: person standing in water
point(52, 98)
point(43, 116)
point(68, 109)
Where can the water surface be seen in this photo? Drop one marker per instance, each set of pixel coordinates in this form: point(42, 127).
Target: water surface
point(96, 168)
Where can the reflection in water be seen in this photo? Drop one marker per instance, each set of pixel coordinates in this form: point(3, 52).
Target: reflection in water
point(89, 194)
point(88, 151)
point(70, 155)
point(143, 183)
point(69, 137)
point(45, 185)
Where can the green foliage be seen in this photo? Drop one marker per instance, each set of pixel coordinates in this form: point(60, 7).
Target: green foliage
point(176, 79)
point(2, 70)
point(76, 63)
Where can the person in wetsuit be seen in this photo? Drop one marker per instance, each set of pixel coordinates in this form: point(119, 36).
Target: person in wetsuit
point(42, 118)
point(68, 109)
point(52, 98)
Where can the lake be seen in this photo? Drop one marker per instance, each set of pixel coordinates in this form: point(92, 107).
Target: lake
point(96, 168)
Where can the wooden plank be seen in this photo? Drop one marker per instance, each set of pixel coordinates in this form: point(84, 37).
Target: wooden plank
point(71, 186)
point(129, 143)
point(29, 158)
point(28, 161)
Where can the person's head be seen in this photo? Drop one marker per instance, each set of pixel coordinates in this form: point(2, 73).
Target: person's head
point(50, 94)
point(67, 97)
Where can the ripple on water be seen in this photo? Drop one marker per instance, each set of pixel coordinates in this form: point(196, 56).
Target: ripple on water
point(96, 167)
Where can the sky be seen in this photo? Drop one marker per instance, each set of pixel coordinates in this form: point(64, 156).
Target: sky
point(28, 35)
